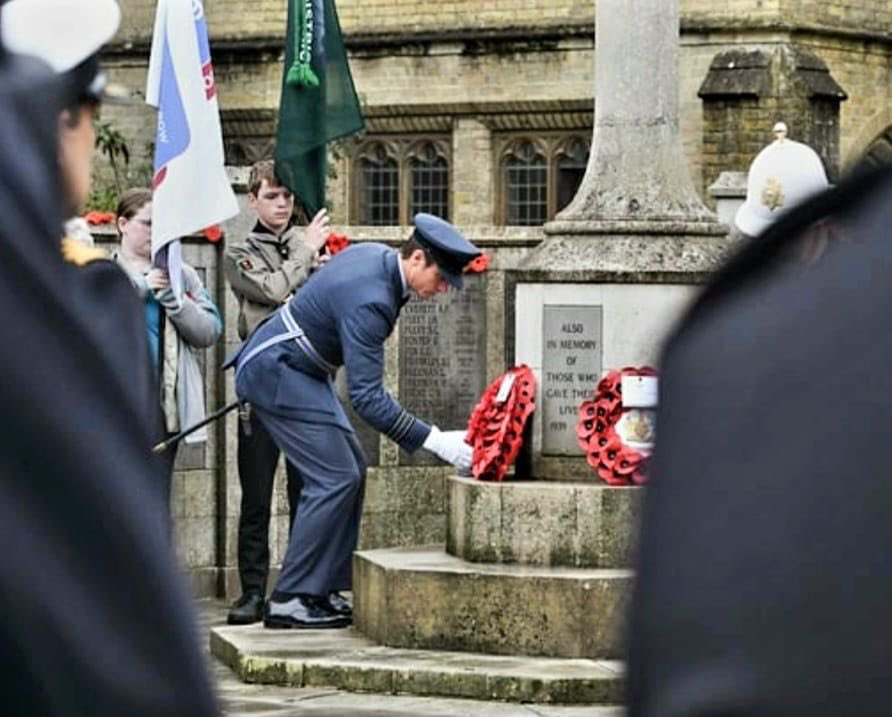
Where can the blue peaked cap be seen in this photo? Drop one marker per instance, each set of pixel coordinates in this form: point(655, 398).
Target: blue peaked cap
point(448, 248)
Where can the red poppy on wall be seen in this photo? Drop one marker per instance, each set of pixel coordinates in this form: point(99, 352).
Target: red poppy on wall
point(213, 233)
point(336, 243)
point(94, 218)
point(478, 265)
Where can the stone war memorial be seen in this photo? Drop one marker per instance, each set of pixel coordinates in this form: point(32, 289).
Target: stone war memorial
point(526, 600)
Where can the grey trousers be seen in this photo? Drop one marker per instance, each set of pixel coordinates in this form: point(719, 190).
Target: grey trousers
point(326, 527)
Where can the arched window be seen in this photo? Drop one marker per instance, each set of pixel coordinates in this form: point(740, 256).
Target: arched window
point(379, 187)
point(571, 163)
point(397, 177)
point(538, 176)
point(429, 182)
point(526, 184)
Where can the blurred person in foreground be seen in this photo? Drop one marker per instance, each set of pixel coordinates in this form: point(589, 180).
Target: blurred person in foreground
point(97, 621)
point(764, 575)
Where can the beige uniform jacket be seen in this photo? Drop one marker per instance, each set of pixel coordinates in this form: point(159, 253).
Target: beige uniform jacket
point(264, 271)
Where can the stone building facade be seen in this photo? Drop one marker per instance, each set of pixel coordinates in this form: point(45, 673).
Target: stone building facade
point(482, 110)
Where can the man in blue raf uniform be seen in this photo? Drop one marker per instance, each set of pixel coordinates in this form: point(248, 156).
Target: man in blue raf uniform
point(342, 317)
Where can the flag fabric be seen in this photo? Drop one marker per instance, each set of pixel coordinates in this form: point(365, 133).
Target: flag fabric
point(191, 190)
point(318, 101)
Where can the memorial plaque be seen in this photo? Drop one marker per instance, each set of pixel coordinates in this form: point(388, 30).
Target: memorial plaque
point(368, 436)
point(571, 369)
point(442, 359)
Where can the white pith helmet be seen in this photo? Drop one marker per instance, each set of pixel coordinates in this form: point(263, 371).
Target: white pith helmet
point(781, 176)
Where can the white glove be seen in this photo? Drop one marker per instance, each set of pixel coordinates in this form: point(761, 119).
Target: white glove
point(450, 446)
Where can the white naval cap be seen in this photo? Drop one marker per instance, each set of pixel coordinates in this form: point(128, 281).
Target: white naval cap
point(65, 34)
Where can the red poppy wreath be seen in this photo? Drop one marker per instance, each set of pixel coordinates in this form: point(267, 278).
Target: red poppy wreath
point(617, 440)
point(495, 429)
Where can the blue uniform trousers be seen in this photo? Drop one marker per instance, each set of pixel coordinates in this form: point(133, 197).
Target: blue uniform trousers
point(326, 527)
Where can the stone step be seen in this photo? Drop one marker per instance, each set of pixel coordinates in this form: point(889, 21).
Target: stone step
point(542, 523)
point(424, 598)
point(345, 660)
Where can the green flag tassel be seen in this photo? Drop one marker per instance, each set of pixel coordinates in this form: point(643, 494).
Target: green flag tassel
point(301, 74)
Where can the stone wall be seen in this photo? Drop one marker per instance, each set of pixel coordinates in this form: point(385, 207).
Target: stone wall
point(874, 17)
point(239, 19)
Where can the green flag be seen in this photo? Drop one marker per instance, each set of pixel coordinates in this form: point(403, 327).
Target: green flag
point(318, 102)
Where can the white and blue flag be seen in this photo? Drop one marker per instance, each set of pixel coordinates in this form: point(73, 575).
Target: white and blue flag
point(191, 188)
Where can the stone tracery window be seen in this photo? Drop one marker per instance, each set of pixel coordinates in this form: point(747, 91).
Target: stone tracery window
point(397, 177)
point(379, 186)
point(429, 182)
point(526, 185)
point(538, 175)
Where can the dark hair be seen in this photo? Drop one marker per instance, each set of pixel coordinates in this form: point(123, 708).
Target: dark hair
point(264, 169)
point(410, 245)
point(131, 202)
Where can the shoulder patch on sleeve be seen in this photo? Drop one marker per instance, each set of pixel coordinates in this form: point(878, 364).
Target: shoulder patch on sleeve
point(245, 264)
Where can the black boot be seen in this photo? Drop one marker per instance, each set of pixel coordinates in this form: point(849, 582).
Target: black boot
point(246, 610)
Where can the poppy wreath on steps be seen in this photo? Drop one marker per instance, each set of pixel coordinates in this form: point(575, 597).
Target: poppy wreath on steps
point(495, 429)
point(615, 461)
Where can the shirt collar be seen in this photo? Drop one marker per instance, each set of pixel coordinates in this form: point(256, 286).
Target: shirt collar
point(261, 228)
point(399, 265)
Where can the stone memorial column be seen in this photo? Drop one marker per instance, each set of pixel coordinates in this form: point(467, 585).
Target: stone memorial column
point(637, 172)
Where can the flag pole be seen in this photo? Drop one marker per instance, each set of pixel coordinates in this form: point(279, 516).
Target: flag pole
point(177, 437)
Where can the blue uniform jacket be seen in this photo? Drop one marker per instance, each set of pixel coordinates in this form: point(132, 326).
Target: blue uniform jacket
point(347, 311)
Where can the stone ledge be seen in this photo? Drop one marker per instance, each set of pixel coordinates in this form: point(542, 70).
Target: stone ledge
point(424, 598)
point(627, 258)
point(542, 523)
point(345, 660)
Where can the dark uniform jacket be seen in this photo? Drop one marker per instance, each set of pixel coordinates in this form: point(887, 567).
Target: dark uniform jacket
point(95, 619)
point(347, 309)
point(765, 572)
point(264, 271)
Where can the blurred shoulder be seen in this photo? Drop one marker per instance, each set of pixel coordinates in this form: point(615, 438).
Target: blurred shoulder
point(80, 254)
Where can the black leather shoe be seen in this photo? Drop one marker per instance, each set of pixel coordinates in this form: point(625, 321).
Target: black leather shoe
point(303, 613)
point(246, 610)
point(339, 604)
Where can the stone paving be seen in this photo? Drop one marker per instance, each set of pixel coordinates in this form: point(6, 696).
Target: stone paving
point(239, 699)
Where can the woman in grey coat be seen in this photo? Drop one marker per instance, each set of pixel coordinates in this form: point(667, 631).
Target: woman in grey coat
point(176, 325)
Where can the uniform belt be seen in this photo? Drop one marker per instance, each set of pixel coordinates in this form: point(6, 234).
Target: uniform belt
point(304, 343)
point(294, 333)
